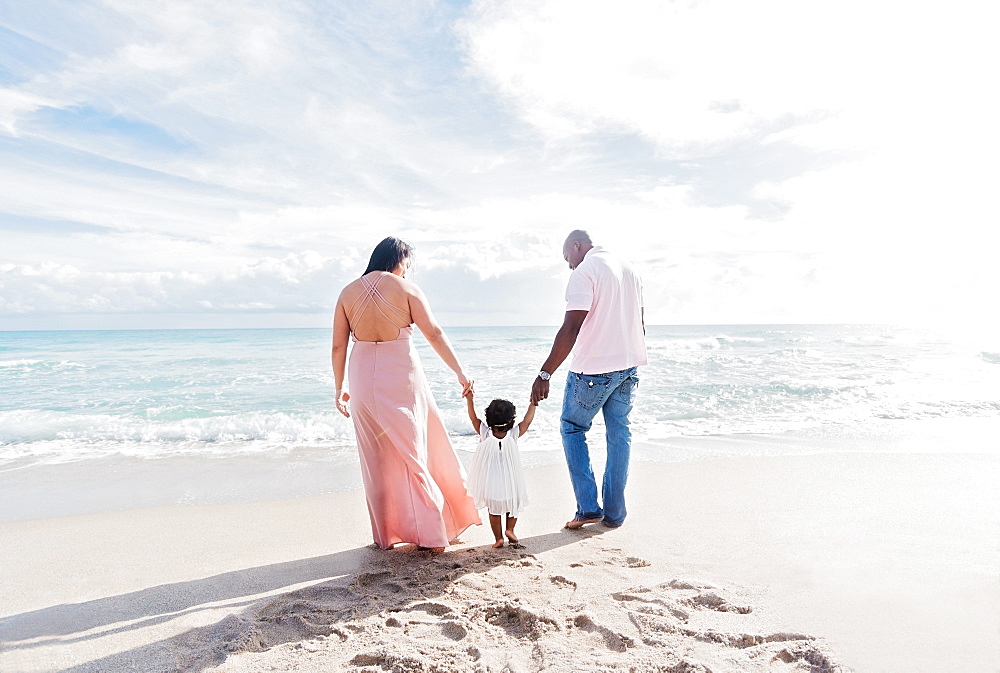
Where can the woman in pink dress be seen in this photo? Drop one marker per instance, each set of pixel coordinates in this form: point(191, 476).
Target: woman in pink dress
point(414, 482)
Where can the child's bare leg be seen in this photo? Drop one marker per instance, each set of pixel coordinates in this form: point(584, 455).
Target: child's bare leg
point(496, 525)
point(511, 522)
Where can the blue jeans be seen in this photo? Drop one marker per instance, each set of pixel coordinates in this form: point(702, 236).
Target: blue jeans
point(586, 394)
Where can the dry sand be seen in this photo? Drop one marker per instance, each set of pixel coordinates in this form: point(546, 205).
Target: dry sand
point(828, 562)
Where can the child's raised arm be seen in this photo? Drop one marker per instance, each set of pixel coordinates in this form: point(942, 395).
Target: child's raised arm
point(471, 403)
point(522, 427)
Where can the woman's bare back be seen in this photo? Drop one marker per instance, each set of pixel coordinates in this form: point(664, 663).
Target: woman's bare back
point(377, 306)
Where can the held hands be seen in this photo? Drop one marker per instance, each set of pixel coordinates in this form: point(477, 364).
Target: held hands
point(467, 384)
point(539, 390)
point(343, 397)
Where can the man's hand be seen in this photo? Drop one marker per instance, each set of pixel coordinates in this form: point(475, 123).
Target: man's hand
point(539, 390)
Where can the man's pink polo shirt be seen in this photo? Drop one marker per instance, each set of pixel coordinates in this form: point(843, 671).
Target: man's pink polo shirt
point(611, 338)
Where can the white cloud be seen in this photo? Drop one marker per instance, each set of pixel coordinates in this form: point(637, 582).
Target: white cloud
point(678, 73)
point(264, 99)
point(759, 162)
point(15, 103)
point(690, 76)
point(885, 108)
point(303, 282)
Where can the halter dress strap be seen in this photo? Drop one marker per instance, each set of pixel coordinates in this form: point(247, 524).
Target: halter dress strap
point(371, 296)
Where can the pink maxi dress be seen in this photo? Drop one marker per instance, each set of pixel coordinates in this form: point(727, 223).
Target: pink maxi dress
point(414, 483)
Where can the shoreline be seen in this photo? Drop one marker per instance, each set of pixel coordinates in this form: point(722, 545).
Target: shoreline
point(889, 559)
point(120, 483)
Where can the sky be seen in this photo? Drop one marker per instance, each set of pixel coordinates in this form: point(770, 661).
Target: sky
point(200, 164)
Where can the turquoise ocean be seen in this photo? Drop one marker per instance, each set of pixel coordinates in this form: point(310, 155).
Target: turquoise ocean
point(124, 404)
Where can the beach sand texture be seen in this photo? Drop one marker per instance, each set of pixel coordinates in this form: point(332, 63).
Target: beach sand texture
point(827, 562)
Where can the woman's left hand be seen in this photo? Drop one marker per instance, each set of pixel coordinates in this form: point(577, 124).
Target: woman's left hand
point(342, 399)
point(467, 385)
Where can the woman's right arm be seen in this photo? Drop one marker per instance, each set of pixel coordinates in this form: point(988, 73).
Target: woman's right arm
point(341, 334)
point(420, 311)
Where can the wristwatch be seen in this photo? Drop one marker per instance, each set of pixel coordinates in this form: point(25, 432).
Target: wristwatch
point(544, 375)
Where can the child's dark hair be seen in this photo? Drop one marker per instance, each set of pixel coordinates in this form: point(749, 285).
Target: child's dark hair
point(501, 415)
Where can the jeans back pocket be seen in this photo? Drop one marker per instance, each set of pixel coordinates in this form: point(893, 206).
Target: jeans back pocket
point(627, 387)
point(590, 390)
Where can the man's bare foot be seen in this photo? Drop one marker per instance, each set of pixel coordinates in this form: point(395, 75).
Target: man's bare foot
point(513, 538)
point(498, 544)
point(579, 523)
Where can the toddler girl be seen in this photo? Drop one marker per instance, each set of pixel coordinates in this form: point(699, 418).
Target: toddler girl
point(496, 480)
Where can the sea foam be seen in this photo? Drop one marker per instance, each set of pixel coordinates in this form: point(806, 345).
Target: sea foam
point(73, 396)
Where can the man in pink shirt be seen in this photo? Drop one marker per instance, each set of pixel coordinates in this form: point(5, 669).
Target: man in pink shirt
point(605, 331)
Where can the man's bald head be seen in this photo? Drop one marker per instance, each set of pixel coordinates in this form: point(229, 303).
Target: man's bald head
point(578, 236)
point(576, 247)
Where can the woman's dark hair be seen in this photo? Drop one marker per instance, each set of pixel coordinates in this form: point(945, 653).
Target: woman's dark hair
point(501, 414)
point(388, 254)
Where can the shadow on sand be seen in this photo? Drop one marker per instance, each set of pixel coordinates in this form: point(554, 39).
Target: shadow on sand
point(351, 585)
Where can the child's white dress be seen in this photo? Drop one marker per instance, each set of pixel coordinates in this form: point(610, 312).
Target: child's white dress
point(496, 479)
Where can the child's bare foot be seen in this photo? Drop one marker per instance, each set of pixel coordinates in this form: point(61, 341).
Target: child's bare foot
point(513, 538)
point(433, 550)
point(498, 544)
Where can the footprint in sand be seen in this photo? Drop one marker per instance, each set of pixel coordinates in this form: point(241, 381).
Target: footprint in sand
point(436, 609)
point(612, 640)
point(520, 622)
point(646, 601)
point(660, 616)
point(371, 579)
point(424, 631)
point(559, 580)
point(712, 601)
